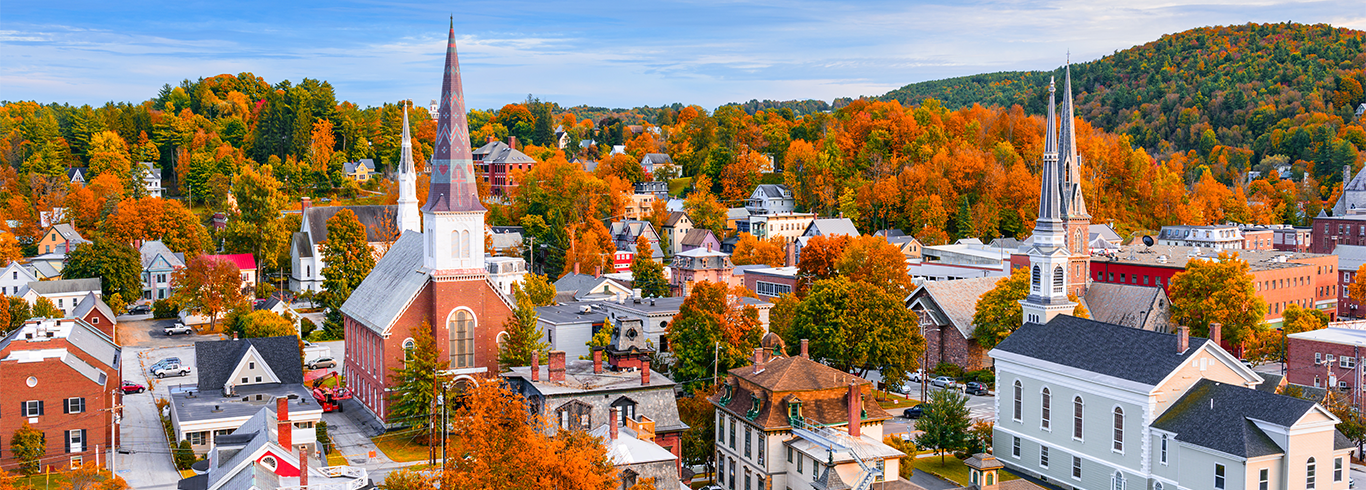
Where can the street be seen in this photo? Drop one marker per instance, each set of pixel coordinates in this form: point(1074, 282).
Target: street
point(979, 408)
point(144, 458)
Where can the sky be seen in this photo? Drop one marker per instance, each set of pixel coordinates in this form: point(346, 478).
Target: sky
point(598, 53)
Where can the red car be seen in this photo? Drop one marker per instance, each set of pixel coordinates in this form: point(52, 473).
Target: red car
point(130, 387)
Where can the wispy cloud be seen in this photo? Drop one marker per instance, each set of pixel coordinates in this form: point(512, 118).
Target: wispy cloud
point(616, 54)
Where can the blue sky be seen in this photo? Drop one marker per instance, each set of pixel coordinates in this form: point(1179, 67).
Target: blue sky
point(615, 54)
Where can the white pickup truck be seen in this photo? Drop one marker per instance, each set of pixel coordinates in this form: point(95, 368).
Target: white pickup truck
point(172, 369)
point(179, 328)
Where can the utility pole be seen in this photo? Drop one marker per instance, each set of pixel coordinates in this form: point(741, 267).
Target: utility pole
point(716, 362)
point(532, 266)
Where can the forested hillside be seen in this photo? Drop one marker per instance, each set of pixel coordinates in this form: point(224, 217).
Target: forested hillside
point(1235, 95)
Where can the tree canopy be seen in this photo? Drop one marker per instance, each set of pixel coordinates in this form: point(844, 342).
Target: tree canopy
point(713, 314)
point(1217, 291)
point(856, 326)
point(998, 311)
point(116, 264)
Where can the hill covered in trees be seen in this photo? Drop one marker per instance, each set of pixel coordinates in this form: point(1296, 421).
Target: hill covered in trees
point(1236, 95)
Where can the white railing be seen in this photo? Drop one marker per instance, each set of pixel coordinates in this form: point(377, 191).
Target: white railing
point(357, 475)
point(829, 439)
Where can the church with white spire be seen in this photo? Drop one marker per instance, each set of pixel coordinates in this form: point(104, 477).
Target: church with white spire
point(1050, 255)
point(434, 276)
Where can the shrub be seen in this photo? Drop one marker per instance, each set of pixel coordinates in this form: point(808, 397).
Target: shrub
point(28, 447)
point(908, 447)
point(946, 369)
point(324, 441)
point(306, 327)
point(264, 289)
point(981, 375)
point(165, 308)
point(184, 455)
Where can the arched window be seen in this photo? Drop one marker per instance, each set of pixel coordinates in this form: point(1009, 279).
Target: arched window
point(1019, 399)
point(1117, 481)
point(408, 346)
point(1163, 450)
point(465, 244)
point(1076, 418)
point(1309, 470)
point(1058, 280)
point(461, 327)
point(455, 244)
point(1119, 429)
point(1157, 486)
point(1034, 278)
point(1046, 404)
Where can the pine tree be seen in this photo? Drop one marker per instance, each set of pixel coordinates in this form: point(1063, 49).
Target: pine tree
point(647, 274)
point(524, 335)
point(415, 381)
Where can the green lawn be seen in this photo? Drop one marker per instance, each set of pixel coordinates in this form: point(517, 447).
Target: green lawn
point(890, 401)
point(402, 448)
point(951, 469)
point(41, 481)
point(676, 186)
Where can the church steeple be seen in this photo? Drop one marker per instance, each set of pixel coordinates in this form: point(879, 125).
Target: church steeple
point(1048, 257)
point(1050, 195)
point(1074, 203)
point(407, 217)
point(453, 217)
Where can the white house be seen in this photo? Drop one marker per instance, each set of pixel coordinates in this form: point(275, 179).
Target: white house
point(14, 279)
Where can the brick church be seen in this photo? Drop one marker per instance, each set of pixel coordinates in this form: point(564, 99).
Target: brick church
point(433, 275)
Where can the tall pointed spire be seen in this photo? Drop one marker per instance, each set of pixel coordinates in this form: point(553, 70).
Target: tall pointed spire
point(407, 217)
point(1050, 196)
point(452, 181)
point(1074, 204)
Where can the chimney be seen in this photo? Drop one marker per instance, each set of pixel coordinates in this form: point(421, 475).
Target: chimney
point(576, 268)
point(557, 365)
point(644, 371)
point(855, 410)
point(1216, 333)
point(790, 259)
point(492, 139)
point(535, 366)
point(758, 360)
point(284, 430)
point(1183, 339)
point(804, 352)
point(616, 414)
point(303, 468)
point(597, 360)
point(597, 272)
point(512, 142)
point(304, 204)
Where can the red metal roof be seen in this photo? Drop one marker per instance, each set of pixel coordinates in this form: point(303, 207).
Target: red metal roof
point(244, 261)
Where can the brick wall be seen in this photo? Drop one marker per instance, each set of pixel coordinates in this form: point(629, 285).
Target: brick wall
point(55, 382)
point(1304, 366)
point(948, 345)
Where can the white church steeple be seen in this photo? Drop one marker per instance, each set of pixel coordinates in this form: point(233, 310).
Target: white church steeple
point(408, 215)
point(1048, 256)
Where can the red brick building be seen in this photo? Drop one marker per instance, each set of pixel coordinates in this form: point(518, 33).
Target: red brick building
point(771, 282)
point(499, 162)
point(1309, 280)
point(1350, 260)
point(1292, 239)
point(1331, 231)
point(432, 279)
point(1328, 358)
point(62, 377)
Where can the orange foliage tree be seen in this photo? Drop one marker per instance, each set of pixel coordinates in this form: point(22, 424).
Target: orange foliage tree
point(751, 250)
point(874, 260)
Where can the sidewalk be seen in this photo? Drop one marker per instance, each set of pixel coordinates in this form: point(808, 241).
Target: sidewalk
point(351, 436)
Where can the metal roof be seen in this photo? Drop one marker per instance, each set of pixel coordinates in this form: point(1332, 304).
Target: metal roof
point(391, 286)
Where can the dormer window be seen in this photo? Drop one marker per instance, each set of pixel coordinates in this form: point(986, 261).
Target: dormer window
point(755, 403)
point(727, 390)
point(794, 409)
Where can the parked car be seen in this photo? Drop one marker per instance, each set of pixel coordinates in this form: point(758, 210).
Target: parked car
point(975, 388)
point(179, 328)
point(322, 362)
point(943, 382)
point(917, 376)
point(164, 363)
point(171, 370)
point(913, 412)
point(130, 387)
point(140, 309)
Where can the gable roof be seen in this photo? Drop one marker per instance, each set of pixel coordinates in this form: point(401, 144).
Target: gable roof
point(798, 374)
point(502, 153)
point(833, 226)
point(957, 299)
point(24, 271)
point(1123, 304)
point(370, 216)
point(217, 359)
point(674, 218)
point(244, 262)
point(388, 289)
point(697, 237)
point(1219, 416)
point(66, 231)
point(92, 302)
point(1104, 348)
point(657, 158)
point(350, 167)
point(156, 248)
point(65, 286)
point(576, 286)
point(771, 191)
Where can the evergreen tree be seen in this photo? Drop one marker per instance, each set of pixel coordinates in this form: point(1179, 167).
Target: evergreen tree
point(184, 455)
point(647, 274)
point(415, 382)
point(349, 259)
point(544, 133)
point(945, 422)
point(524, 335)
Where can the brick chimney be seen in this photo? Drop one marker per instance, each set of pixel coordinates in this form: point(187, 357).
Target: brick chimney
point(303, 468)
point(597, 272)
point(616, 413)
point(644, 371)
point(304, 204)
point(576, 268)
point(855, 410)
point(758, 360)
point(556, 365)
point(597, 360)
point(512, 142)
point(1183, 339)
point(535, 366)
point(1216, 333)
point(492, 139)
point(804, 351)
point(284, 430)
point(790, 250)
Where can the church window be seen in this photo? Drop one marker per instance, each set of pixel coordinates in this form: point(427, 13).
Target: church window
point(455, 244)
point(1076, 418)
point(1019, 396)
point(1058, 280)
point(1047, 407)
point(461, 326)
point(1035, 278)
point(465, 244)
point(408, 346)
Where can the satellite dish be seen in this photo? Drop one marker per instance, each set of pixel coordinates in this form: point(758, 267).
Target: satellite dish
point(1148, 240)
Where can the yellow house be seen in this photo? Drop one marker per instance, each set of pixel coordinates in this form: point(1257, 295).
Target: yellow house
point(360, 171)
point(60, 239)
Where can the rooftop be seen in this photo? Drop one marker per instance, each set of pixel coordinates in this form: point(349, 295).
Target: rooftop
point(957, 299)
point(1103, 348)
point(195, 405)
point(579, 378)
point(1176, 257)
point(1227, 418)
point(62, 286)
point(571, 313)
point(1345, 336)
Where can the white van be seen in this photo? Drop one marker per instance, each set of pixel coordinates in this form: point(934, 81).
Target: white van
point(313, 352)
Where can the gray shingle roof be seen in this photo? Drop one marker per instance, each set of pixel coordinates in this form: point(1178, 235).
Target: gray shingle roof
point(151, 249)
point(833, 226)
point(95, 343)
point(1218, 416)
point(302, 245)
point(1123, 304)
point(391, 286)
point(215, 360)
point(658, 158)
point(369, 216)
point(92, 302)
point(67, 232)
point(65, 286)
point(772, 190)
point(350, 167)
point(957, 299)
point(1103, 348)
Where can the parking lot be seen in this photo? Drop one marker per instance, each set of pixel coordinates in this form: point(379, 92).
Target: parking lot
point(144, 458)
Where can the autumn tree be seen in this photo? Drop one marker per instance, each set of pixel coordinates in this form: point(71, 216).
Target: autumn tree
point(19, 312)
point(257, 227)
point(348, 259)
point(265, 323)
point(153, 218)
point(647, 274)
point(751, 250)
point(538, 289)
point(874, 260)
point(408, 479)
point(90, 476)
point(1217, 291)
point(1268, 344)
point(209, 286)
point(9, 248)
point(856, 326)
point(998, 311)
point(699, 413)
point(415, 382)
point(116, 264)
point(28, 445)
point(713, 313)
point(501, 447)
point(45, 308)
point(820, 260)
point(109, 155)
point(1356, 290)
point(524, 335)
point(703, 208)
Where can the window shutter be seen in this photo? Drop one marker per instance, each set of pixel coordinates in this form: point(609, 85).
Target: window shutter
point(66, 405)
point(23, 409)
point(81, 402)
point(67, 447)
point(85, 443)
point(40, 407)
